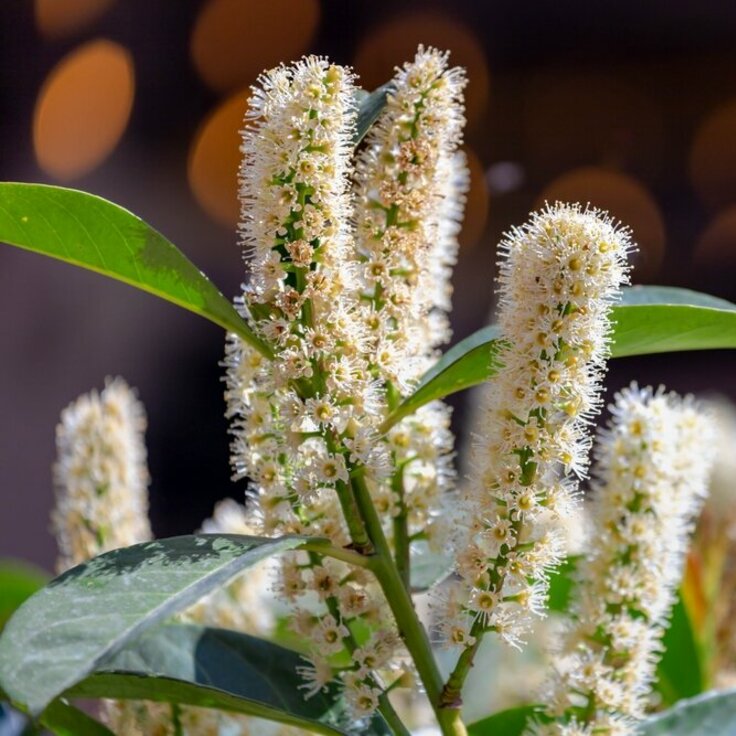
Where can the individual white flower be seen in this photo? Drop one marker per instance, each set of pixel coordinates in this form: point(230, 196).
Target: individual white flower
point(652, 469)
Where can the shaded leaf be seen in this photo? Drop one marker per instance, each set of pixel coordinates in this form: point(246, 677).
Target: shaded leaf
point(511, 722)
point(649, 319)
point(88, 231)
point(63, 719)
point(679, 672)
point(18, 581)
point(711, 714)
point(228, 670)
point(63, 632)
point(369, 106)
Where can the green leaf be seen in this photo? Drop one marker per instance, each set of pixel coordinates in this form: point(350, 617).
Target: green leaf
point(427, 567)
point(18, 581)
point(63, 632)
point(711, 714)
point(511, 722)
point(369, 106)
point(66, 720)
point(228, 670)
point(649, 319)
point(679, 672)
point(91, 232)
point(562, 585)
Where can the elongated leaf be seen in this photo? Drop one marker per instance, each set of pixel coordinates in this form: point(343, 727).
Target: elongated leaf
point(649, 319)
point(511, 722)
point(196, 665)
point(63, 632)
point(370, 106)
point(18, 582)
point(711, 714)
point(680, 672)
point(63, 719)
point(91, 232)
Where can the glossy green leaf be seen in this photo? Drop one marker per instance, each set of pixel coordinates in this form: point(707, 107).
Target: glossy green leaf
point(649, 319)
point(680, 672)
point(511, 722)
point(711, 714)
point(369, 106)
point(63, 632)
point(18, 582)
point(91, 232)
point(228, 670)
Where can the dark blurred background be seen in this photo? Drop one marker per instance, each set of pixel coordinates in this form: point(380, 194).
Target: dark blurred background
point(629, 105)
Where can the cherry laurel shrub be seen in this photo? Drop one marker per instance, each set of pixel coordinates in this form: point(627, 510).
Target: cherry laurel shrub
point(298, 610)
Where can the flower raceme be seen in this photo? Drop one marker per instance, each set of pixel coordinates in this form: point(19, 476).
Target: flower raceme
point(559, 276)
point(651, 477)
point(304, 423)
point(100, 475)
point(410, 181)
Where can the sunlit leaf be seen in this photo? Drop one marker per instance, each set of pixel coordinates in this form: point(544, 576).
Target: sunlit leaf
point(649, 319)
point(88, 231)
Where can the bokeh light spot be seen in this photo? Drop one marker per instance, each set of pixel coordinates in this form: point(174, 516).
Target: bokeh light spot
point(624, 198)
point(60, 18)
point(713, 157)
point(83, 109)
point(214, 159)
point(578, 118)
point(395, 42)
point(235, 40)
point(716, 247)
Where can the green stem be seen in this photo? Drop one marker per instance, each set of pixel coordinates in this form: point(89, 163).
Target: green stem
point(360, 540)
point(323, 547)
point(391, 716)
point(452, 691)
point(397, 596)
point(401, 535)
